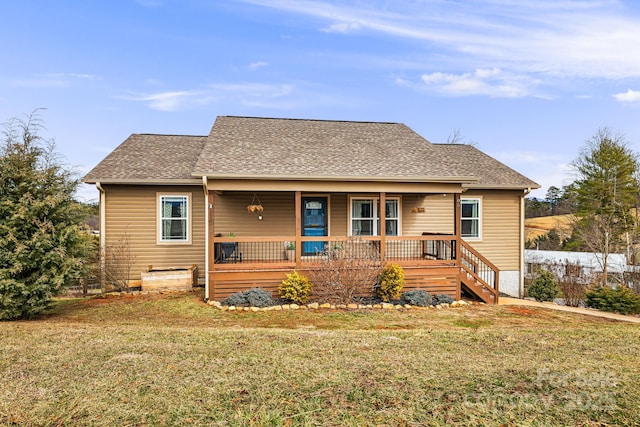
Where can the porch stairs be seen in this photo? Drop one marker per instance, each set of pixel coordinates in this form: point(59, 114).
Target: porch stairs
point(478, 275)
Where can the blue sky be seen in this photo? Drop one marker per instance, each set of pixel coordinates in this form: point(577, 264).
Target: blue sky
point(526, 81)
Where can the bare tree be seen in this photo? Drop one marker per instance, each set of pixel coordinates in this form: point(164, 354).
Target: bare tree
point(574, 281)
point(346, 271)
point(117, 264)
point(455, 137)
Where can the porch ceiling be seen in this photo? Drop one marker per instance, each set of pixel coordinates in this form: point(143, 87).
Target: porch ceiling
point(336, 186)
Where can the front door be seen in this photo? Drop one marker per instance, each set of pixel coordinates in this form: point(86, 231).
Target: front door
point(314, 223)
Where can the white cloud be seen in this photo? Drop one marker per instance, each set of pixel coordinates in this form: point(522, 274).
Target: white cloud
point(490, 82)
point(249, 94)
point(169, 101)
point(590, 39)
point(258, 64)
point(342, 27)
point(628, 96)
point(262, 90)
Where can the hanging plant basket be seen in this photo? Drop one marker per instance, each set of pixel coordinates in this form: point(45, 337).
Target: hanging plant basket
point(255, 205)
point(255, 208)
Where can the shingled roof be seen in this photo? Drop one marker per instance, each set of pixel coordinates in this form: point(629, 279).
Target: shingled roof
point(147, 158)
point(289, 149)
point(490, 173)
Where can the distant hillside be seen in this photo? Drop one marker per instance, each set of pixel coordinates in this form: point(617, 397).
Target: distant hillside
point(539, 226)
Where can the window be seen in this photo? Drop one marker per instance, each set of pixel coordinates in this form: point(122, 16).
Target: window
point(365, 217)
point(174, 218)
point(470, 218)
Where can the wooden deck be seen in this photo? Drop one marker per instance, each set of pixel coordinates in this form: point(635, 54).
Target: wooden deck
point(222, 283)
point(431, 262)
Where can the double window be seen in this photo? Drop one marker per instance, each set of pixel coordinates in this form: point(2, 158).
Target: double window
point(470, 218)
point(173, 218)
point(365, 217)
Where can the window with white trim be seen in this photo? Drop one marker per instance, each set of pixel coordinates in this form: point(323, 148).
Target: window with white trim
point(470, 218)
point(365, 216)
point(173, 213)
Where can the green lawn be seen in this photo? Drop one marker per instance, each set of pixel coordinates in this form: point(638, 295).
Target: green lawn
point(172, 360)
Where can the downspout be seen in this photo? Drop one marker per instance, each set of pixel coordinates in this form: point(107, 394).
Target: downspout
point(522, 264)
point(206, 233)
point(103, 236)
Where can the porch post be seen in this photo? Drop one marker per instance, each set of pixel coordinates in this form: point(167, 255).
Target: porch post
point(298, 204)
point(210, 241)
point(383, 224)
point(456, 232)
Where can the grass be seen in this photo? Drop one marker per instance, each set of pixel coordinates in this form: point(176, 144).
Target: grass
point(172, 360)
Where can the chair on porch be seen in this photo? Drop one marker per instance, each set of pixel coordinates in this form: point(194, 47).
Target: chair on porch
point(435, 249)
point(227, 252)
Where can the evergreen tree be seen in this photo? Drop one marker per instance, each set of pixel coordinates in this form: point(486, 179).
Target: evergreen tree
point(43, 244)
point(606, 190)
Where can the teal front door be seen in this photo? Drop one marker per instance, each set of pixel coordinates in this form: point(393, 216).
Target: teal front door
point(314, 223)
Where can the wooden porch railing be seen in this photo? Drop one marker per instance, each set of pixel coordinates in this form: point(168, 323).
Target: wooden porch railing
point(478, 273)
point(273, 250)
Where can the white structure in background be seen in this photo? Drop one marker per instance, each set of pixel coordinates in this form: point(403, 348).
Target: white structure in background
point(574, 264)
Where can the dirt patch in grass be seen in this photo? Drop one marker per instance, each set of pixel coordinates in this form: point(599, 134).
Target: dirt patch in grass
point(173, 360)
point(523, 311)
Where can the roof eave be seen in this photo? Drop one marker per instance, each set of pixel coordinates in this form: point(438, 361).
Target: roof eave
point(532, 186)
point(124, 181)
point(342, 178)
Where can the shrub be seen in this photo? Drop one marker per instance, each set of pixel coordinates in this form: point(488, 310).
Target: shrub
point(441, 299)
point(619, 300)
point(258, 297)
point(417, 297)
point(346, 270)
point(254, 297)
point(573, 292)
point(237, 299)
point(390, 282)
point(295, 288)
point(544, 287)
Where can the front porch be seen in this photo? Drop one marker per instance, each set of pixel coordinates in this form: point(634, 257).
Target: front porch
point(441, 263)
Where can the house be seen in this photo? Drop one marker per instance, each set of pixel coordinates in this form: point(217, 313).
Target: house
point(232, 201)
point(582, 267)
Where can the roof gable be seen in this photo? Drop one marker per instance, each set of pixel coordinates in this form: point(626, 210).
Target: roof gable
point(245, 147)
point(299, 149)
point(150, 158)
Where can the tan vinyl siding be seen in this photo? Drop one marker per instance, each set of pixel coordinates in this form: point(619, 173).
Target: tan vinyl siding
point(279, 217)
point(500, 219)
point(338, 215)
point(438, 215)
point(231, 215)
point(132, 211)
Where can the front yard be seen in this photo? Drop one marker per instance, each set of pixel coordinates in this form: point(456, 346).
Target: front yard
point(173, 360)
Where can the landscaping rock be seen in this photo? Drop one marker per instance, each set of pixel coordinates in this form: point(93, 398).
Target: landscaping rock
point(313, 305)
point(325, 305)
point(352, 306)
